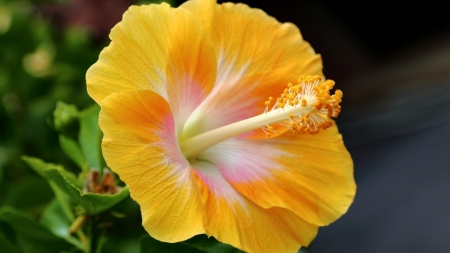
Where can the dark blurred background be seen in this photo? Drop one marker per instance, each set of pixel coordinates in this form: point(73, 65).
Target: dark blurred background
point(392, 61)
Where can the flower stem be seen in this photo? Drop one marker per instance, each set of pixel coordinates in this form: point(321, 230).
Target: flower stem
point(66, 209)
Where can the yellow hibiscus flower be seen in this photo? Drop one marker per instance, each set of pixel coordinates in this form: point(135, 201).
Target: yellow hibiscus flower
point(190, 126)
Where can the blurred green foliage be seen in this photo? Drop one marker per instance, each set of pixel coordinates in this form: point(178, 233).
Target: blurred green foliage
point(39, 65)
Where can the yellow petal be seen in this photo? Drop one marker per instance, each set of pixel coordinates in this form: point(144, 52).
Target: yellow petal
point(231, 218)
point(140, 145)
point(202, 10)
point(157, 48)
point(257, 56)
point(311, 175)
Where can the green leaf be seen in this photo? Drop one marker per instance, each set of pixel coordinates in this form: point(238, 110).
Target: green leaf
point(67, 183)
point(32, 236)
point(24, 224)
point(8, 232)
point(40, 167)
point(55, 220)
point(90, 137)
point(92, 203)
point(211, 245)
point(121, 244)
point(72, 149)
point(6, 245)
point(36, 164)
point(30, 193)
point(150, 245)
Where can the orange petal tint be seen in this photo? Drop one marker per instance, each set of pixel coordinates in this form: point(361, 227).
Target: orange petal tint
point(312, 175)
point(232, 218)
point(257, 56)
point(140, 145)
point(149, 52)
point(203, 10)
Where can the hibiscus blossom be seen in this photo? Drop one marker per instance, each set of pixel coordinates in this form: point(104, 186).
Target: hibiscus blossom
point(201, 122)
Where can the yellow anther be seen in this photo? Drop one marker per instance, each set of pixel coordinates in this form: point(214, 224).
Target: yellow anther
point(330, 83)
point(308, 105)
point(326, 96)
point(304, 103)
point(318, 105)
point(338, 96)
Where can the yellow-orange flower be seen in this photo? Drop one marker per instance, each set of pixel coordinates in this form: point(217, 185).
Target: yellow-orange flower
point(183, 92)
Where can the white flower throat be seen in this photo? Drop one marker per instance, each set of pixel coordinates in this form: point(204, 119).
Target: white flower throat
point(303, 108)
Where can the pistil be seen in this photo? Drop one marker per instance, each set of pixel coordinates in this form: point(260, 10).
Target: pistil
point(303, 108)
